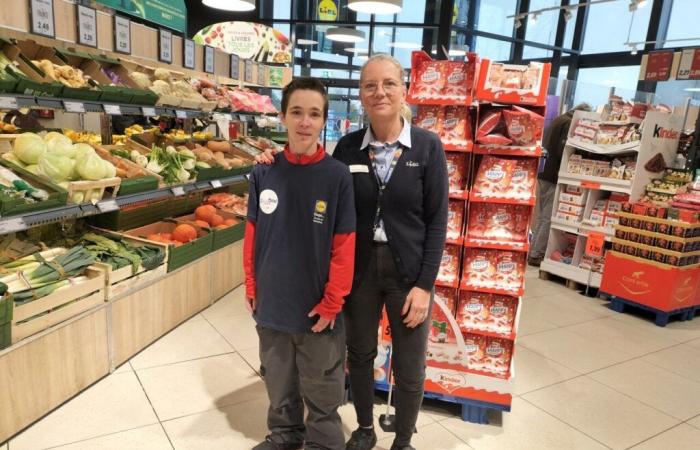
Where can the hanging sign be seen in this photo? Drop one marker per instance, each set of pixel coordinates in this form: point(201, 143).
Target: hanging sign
point(122, 35)
point(327, 11)
point(235, 67)
point(87, 26)
point(659, 65)
point(41, 16)
point(595, 244)
point(689, 68)
point(165, 44)
point(168, 13)
point(247, 40)
point(188, 59)
point(209, 59)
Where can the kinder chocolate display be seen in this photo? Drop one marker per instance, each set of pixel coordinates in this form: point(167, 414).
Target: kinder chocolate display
point(475, 350)
point(497, 356)
point(457, 170)
point(430, 117)
point(507, 83)
point(494, 177)
point(486, 312)
point(440, 330)
point(524, 126)
point(457, 80)
point(455, 219)
point(430, 80)
point(494, 138)
point(449, 265)
point(522, 183)
point(493, 269)
point(498, 222)
point(489, 123)
point(455, 128)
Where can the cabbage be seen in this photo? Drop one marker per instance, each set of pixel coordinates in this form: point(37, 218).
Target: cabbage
point(82, 150)
point(110, 170)
point(56, 136)
point(91, 167)
point(9, 156)
point(56, 167)
point(29, 147)
point(61, 147)
point(34, 168)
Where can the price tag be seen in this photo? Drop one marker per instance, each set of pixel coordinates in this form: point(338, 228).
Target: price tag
point(8, 103)
point(189, 53)
point(114, 110)
point(42, 18)
point(248, 76)
point(148, 111)
point(108, 206)
point(261, 75)
point(216, 184)
point(178, 191)
point(235, 67)
point(87, 26)
point(165, 43)
point(74, 107)
point(595, 244)
point(122, 35)
point(590, 185)
point(180, 114)
point(209, 59)
point(12, 225)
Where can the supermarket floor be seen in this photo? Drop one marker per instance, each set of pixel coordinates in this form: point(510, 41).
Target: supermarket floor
point(586, 378)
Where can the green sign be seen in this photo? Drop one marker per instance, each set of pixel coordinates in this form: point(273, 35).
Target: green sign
point(169, 13)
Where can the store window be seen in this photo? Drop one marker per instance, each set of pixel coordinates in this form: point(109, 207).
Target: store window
point(530, 52)
point(675, 92)
point(461, 11)
point(398, 42)
point(570, 26)
point(282, 9)
point(492, 16)
point(544, 29)
point(494, 49)
point(594, 85)
point(683, 23)
point(609, 24)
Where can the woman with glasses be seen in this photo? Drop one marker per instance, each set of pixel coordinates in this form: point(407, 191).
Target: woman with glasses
point(401, 195)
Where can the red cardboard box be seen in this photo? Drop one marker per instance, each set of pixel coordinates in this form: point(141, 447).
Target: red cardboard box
point(508, 83)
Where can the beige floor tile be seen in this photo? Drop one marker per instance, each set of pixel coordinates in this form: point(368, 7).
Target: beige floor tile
point(563, 310)
point(252, 357)
point(433, 437)
point(534, 287)
point(126, 367)
point(533, 371)
point(347, 414)
point(239, 330)
point(533, 318)
point(682, 437)
point(151, 437)
point(582, 354)
point(694, 343)
point(600, 412)
point(678, 331)
point(682, 359)
point(631, 339)
point(230, 304)
point(239, 426)
point(524, 428)
point(695, 422)
point(191, 340)
point(115, 403)
point(196, 386)
point(670, 393)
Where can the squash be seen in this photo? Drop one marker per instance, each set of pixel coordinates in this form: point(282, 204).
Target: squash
point(184, 233)
point(216, 220)
point(204, 212)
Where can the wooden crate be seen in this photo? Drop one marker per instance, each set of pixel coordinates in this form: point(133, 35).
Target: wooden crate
point(93, 191)
point(120, 281)
point(62, 304)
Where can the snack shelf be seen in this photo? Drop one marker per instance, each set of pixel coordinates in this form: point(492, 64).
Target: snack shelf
point(496, 245)
point(459, 241)
point(512, 293)
point(613, 149)
point(570, 272)
point(670, 222)
point(459, 148)
point(459, 195)
point(568, 227)
point(505, 150)
point(591, 182)
point(582, 229)
point(510, 336)
point(506, 201)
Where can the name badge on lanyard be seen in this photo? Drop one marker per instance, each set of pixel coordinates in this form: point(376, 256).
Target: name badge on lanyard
point(382, 181)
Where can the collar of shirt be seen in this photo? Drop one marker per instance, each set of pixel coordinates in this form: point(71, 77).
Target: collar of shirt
point(304, 160)
point(404, 137)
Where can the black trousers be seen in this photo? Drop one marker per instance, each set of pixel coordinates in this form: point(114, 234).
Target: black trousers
point(298, 369)
point(382, 285)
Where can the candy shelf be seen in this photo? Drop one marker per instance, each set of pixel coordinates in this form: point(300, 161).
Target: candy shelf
point(591, 182)
point(459, 148)
point(459, 241)
point(571, 272)
point(466, 286)
point(582, 229)
point(460, 195)
point(496, 245)
point(505, 150)
point(604, 149)
point(506, 201)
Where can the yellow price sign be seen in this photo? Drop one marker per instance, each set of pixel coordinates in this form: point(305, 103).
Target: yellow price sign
point(327, 10)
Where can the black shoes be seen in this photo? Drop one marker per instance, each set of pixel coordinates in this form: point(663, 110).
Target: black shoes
point(362, 439)
point(268, 444)
point(401, 447)
point(534, 262)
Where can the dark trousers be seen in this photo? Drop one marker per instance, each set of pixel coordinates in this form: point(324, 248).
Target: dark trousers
point(298, 369)
point(382, 285)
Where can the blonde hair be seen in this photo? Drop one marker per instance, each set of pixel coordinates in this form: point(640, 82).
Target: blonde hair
point(383, 57)
point(406, 112)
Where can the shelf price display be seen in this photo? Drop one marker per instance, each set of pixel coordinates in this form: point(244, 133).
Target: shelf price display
point(122, 35)
point(235, 67)
point(209, 59)
point(261, 74)
point(248, 76)
point(188, 59)
point(689, 67)
point(595, 244)
point(42, 18)
point(165, 44)
point(87, 26)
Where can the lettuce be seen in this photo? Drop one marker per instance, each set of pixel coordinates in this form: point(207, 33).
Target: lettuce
point(29, 147)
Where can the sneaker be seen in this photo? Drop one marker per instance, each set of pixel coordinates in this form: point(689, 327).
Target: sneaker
point(401, 447)
point(268, 444)
point(362, 439)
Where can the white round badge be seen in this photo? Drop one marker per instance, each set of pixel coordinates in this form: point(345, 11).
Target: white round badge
point(268, 201)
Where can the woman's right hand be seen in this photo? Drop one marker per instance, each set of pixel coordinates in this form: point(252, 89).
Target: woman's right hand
point(267, 157)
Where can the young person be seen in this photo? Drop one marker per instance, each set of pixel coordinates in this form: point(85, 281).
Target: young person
point(298, 257)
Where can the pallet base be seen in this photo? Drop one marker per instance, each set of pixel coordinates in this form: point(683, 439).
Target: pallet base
point(661, 317)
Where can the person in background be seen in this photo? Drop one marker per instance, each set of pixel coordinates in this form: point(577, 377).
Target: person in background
point(299, 252)
point(554, 142)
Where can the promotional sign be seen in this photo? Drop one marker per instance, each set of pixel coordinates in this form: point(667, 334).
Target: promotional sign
point(209, 59)
point(659, 66)
point(189, 53)
point(235, 67)
point(595, 244)
point(87, 26)
point(41, 16)
point(689, 68)
point(165, 44)
point(122, 35)
point(247, 40)
point(169, 13)
point(248, 75)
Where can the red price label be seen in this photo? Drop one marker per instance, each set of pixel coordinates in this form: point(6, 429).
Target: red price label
point(595, 244)
point(590, 185)
point(659, 65)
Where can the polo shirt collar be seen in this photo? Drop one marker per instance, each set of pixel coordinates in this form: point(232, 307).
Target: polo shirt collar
point(304, 160)
point(404, 136)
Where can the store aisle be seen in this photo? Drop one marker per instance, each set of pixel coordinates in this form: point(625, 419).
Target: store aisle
point(586, 378)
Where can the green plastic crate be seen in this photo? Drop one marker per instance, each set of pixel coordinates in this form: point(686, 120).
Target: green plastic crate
point(142, 96)
point(222, 237)
point(215, 173)
point(5, 335)
point(8, 82)
point(114, 94)
point(10, 206)
point(6, 308)
point(137, 184)
point(186, 204)
point(145, 214)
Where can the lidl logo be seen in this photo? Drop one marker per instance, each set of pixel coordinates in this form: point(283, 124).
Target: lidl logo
point(327, 11)
point(321, 206)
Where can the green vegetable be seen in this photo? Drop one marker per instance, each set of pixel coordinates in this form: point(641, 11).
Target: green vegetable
point(120, 152)
point(61, 147)
point(90, 167)
point(118, 254)
point(56, 167)
point(202, 165)
point(82, 150)
point(29, 147)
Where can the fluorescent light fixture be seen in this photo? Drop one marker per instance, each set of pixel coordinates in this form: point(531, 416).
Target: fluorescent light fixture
point(376, 6)
point(231, 5)
point(406, 45)
point(345, 35)
point(306, 42)
point(357, 50)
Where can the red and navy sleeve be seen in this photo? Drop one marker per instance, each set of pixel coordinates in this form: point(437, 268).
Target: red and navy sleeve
point(249, 239)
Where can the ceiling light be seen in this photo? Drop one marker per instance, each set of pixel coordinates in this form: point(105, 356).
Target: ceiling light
point(567, 15)
point(534, 17)
point(306, 42)
point(231, 5)
point(357, 50)
point(376, 6)
point(345, 35)
point(406, 45)
point(633, 49)
point(641, 3)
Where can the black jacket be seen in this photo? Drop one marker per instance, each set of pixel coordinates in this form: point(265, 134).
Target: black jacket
point(554, 141)
point(414, 206)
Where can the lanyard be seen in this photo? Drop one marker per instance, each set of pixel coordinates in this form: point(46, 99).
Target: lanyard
point(382, 182)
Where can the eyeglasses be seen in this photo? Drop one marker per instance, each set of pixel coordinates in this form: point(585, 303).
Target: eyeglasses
point(389, 86)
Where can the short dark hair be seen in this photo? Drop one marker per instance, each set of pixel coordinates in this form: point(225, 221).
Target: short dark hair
point(306, 83)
